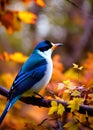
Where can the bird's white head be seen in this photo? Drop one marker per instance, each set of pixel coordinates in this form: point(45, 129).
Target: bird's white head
point(46, 47)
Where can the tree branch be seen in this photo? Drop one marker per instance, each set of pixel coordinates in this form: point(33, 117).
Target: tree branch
point(41, 102)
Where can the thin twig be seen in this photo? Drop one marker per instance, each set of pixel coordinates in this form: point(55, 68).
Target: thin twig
point(42, 121)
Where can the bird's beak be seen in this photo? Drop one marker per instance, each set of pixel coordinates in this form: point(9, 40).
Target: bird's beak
point(56, 45)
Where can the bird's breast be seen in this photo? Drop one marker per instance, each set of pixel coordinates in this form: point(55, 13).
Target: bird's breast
point(46, 78)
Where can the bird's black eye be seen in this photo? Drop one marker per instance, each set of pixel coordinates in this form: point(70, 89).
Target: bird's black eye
point(44, 45)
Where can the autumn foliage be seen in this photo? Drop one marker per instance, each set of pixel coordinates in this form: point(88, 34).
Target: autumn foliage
point(72, 85)
point(75, 90)
point(12, 20)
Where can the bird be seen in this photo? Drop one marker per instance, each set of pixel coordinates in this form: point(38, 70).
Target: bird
point(34, 74)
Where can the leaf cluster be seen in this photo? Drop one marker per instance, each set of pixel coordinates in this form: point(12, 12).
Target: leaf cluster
point(12, 19)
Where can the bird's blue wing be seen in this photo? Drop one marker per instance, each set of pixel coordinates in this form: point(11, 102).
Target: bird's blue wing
point(33, 61)
point(25, 80)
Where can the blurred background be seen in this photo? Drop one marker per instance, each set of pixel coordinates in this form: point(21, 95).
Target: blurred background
point(66, 21)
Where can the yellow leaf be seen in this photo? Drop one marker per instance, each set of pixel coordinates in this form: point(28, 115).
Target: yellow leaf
point(66, 82)
point(60, 110)
point(75, 93)
point(27, 17)
point(53, 108)
point(81, 67)
point(18, 57)
point(75, 66)
point(53, 103)
point(71, 74)
point(40, 3)
point(75, 104)
point(69, 84)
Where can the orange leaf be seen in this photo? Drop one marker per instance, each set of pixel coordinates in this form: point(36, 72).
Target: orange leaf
point(40, 3)
point(27, 17)
point(10, 21)
point(7, 19)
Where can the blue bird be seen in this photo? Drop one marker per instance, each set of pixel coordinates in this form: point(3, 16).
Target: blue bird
point(33, 75)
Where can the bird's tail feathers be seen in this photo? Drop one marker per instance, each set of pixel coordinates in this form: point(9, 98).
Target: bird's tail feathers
point(8, 106)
